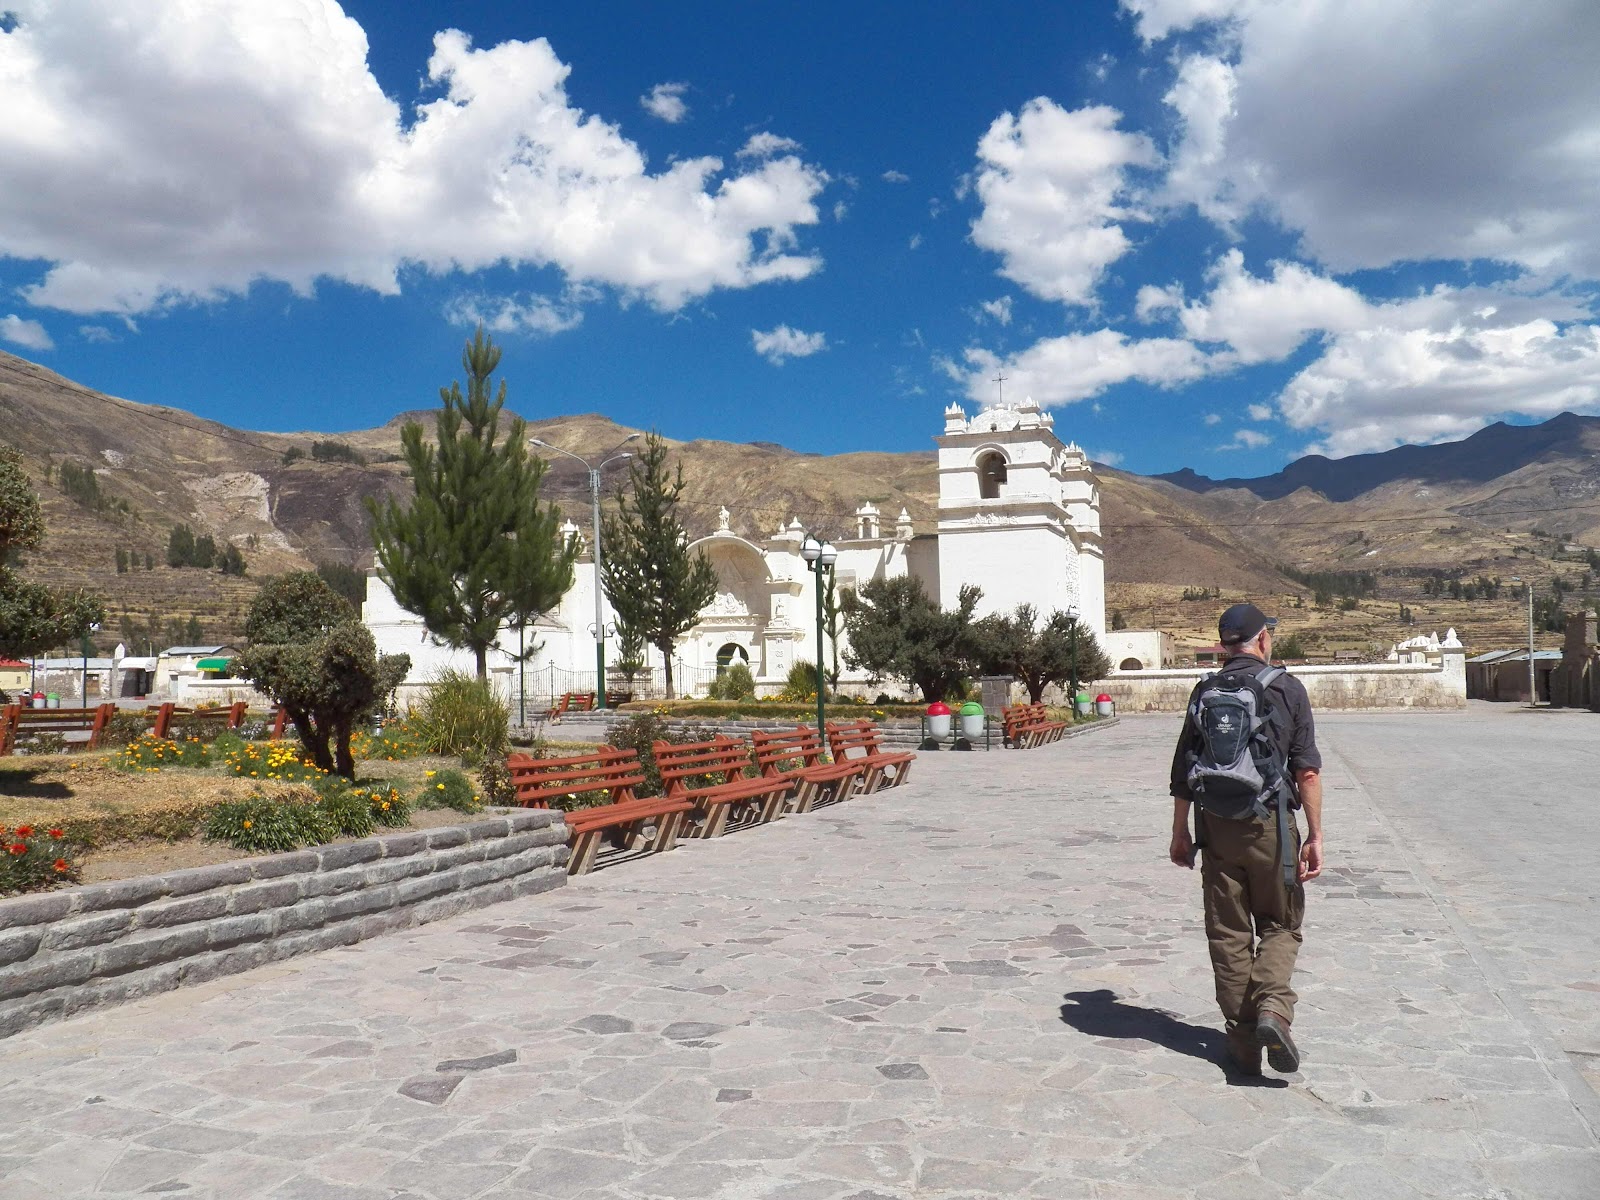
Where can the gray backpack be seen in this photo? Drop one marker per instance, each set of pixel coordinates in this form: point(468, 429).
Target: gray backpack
point(1236, 770)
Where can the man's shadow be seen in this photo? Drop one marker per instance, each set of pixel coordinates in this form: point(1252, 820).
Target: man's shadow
point(1100, 1014)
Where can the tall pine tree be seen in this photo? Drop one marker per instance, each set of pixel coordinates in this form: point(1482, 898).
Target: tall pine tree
point(655, 583)
point(474, 549)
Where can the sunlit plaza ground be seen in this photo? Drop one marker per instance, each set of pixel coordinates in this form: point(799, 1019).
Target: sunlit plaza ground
point(988, 982)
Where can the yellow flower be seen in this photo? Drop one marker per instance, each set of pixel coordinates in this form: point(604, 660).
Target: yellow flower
point(429, 774)
point(440, 786)
point(248, 825)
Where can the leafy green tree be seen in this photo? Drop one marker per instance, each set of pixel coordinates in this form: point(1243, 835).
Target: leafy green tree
point(231, 561)
point(897, 631)
point(310, 653)
point(654, 581)
point(33, 618)
point(1038, 654)
point(474, 549)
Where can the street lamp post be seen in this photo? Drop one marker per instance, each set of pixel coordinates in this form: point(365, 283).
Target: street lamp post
point(1533, 687)
point(84, 644)
point(820, 556)
point(599, 596)
point(1072, 649)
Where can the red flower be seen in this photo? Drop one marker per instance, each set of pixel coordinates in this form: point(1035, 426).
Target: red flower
point(61, 866)
point(17, 848)
point(24, 831)
point(58, 834)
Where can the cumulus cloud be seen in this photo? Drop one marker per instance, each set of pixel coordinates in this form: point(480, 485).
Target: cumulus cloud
point(782, 343)
point(1076, 366)
point(511, 314)
point(893, 176)
point(96, 333)
point(1247, 439)
point(767, 145)
point(997, 310)
point(1260, 412)
point(1053, 184)
point(1386, 133)
point(1213, 418)
point(20, 332)
point(665, 102)
point(1110, 458)
point(157, 154)
point(1267, 319)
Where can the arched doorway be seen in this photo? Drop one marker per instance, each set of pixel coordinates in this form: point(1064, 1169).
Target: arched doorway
point(1130, 664)
point(731, 653)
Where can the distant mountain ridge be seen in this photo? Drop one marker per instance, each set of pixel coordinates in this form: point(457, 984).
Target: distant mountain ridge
point(1488, 454)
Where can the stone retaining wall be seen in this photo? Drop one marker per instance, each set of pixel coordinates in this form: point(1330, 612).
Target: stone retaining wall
point(1369, 686)
point(78, 948)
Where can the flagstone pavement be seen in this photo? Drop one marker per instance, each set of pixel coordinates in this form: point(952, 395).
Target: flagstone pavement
point(986, 983)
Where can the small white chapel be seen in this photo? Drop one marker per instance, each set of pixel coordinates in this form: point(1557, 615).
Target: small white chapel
point(1018, 515)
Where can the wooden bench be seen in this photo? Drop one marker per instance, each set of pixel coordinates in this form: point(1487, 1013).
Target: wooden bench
point(541, 782)
point(164, 718)
point(618, 699)
point(797, 755)
point(1028, 725)
point(18, 721)
point(883, 768)
point(684, 766)
point(577, 702)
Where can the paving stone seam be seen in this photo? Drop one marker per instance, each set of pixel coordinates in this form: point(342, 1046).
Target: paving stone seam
point(1554, 1060)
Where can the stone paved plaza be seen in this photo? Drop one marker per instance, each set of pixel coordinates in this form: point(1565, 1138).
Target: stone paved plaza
point(987, 983)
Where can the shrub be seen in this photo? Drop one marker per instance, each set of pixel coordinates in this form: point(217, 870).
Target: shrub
point(449, 789)
point(149, 753)
point(282, 761)
point(123, 727)
point(735, 683)
point(32, 860)
point(398, 739)
point(41, 743)
point(494, 782)
point(389, 807)
point(285, 821)
point(801, 683)
point(349, 811)
point(640, 732)
point(463, 717)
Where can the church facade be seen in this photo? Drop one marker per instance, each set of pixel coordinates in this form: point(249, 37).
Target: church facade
point(1018, 515)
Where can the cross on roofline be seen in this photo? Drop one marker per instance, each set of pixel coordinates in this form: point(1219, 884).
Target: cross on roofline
point(1000, 380)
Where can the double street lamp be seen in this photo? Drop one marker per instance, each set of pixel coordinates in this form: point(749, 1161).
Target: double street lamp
point(820, 556)
point(1072, 649)
point(599, 594)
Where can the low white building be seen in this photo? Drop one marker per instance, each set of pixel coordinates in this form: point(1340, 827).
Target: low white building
point(1139, 649)
point(1019, 515)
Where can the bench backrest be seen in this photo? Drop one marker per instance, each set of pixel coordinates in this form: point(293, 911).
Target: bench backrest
point(538, 781)
point(18, 720)
point(165, 717)
point(854, 735)
point(682, 765)
point(801, 746)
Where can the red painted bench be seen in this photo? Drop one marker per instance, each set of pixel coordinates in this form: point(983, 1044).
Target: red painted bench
point(577, 702)
point(883, 768)
point(798, 755)
point(686, 768)
point(544, 782)
point(19, 721)
point(163, 719)
point(1028, 725)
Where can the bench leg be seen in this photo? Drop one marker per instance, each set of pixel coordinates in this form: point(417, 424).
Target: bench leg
point(902, 773)
point(806, 796)
point(872, 780)
point(715, 821)
point(584, 848)
point(667, 830)
point(772, 807)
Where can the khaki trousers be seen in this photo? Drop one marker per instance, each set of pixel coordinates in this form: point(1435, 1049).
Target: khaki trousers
point(1252, 920)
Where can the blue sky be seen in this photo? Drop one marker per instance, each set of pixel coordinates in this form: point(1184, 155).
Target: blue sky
point(1208, 233)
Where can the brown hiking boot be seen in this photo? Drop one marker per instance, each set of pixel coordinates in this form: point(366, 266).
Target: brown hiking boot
point(1243, 1055)
point(1272, 1035)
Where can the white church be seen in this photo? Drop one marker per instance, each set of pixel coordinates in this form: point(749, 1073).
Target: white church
point(1019, 515)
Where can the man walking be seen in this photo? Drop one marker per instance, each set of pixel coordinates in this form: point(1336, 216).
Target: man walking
point(1247, 757)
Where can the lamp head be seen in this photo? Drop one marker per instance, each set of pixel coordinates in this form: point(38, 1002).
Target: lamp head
point(830, 554)
point(1072, 612)
point(810, 549)
point(540, 442)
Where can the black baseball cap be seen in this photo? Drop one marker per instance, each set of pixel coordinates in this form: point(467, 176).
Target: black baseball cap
point(1242, 622)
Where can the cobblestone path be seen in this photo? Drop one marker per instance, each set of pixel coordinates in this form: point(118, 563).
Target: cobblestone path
point(987, 983)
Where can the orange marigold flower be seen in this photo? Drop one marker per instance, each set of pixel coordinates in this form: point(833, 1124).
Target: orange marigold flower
point(60, 865)
point(249, 825)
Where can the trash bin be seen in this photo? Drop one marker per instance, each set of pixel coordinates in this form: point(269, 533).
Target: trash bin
point(38, 700)
point(1103, 705)
point(938, 720)
point(52, 701)
point(1083, 704)
point(971, 720)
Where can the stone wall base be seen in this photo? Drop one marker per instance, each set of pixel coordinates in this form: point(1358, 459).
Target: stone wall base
point(65, 951)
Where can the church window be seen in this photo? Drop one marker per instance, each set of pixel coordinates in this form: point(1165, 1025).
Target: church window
point(1130, 664)
point(991, 474)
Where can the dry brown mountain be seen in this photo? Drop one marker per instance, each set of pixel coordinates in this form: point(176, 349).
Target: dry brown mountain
point(1443, 508)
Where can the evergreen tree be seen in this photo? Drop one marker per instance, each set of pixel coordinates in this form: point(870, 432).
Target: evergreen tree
point(149, 561)
point(1037, 655)
point(33, 618)
point(655, 583)
point(231, 561)
point(122, 561)
point(474, 549)
point(205, 552)
point(898, 631)
point(192, 633)
point(180, 546)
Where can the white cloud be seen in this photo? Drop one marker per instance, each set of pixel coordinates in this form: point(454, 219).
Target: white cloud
point(508, 314)
point(893, 176)
point(916, 240)
point(1110, 458)
point(1053, 187)
point(665, 102)
point(1386, 133)
point(1213, 418)
point(96, 333)
point(1076, 366)
point(1265, 320)
point(997, 310)
point(184, 154)
point(1260, 412)
point(768, 145)
point(840, 210)
point(20, 332)
point(782, 343)
point(1247, 439)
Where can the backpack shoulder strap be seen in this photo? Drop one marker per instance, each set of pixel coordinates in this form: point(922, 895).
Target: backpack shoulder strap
point(1266, 677)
